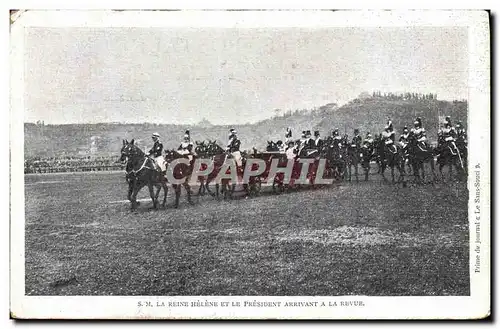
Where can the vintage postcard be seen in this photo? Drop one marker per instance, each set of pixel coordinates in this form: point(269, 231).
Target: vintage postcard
point(250, 164)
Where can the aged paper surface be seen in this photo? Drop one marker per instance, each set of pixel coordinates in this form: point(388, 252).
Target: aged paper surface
point(362, 97)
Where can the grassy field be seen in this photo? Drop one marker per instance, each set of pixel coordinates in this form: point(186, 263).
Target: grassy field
point(350, 239)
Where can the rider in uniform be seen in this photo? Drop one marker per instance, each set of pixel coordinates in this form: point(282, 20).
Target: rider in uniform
point(389, 136)
point(186, 147)
point(291, 151)
point(337, 139)
point(233, 147)
point(280, 145)
point(419, 131)
point(156, 152)
point(368, 143)
point(448, 134)
point(288, 135)
point(356, 140)
point(406, 133)
point(461, 132)
point(309, 141)
point(318, 142)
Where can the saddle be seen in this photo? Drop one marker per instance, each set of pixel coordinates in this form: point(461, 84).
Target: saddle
point(422, 146)
point(392, 148)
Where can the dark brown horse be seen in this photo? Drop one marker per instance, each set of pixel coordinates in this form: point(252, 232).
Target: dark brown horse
point(142, 171)
point(420, 154)
point(390, 156)
point(182, 172)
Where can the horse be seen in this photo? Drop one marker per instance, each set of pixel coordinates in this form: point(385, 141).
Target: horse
point(272, 146)
point(336, 157)
point(449, 155)
point(390, 155)
point(353, 159)
point(418, 155)
point(141, 170)
point(366, 157)
point(218, 157)
point(182, 172)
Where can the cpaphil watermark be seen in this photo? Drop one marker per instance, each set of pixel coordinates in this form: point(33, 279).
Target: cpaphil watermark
point(298, 170)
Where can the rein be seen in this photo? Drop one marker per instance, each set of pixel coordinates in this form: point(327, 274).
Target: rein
point(138, 170)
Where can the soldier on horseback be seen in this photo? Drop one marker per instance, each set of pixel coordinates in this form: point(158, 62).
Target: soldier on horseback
point(288, 135)
point(406, 133)
point(356, 140)
point(419, 132)
point(156, 152)
point(449, 134)
point(389, 137)
point(292, 150)
point(233, 147)
point(337, 139)
point(368, 142)
point(186, 147)
point(318, 142)
point(461, 132)
point(309, 143)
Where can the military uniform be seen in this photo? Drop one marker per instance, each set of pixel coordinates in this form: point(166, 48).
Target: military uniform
point(356, 141)
point(337, 139)
point(291, 151)
point(156, 152)
point(449, 134)
point(419, 132)
point(318, 142)
point(233, 147)
point(186, 147)
point(368, 143)
point(288, 136)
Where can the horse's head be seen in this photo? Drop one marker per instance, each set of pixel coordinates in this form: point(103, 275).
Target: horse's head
point(129, 150)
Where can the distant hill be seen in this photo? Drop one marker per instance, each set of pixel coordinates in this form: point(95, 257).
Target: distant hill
point(371, 114)
point(365, 113)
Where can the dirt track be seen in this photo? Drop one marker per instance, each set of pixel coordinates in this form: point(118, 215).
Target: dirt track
point(353, 239)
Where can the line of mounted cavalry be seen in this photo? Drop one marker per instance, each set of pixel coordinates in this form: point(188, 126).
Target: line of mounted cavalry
point(339, 154)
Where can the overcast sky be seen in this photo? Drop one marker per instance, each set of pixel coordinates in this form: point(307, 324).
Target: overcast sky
point(76, 75)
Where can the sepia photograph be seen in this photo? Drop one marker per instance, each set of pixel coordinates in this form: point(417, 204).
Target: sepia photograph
point(237, 165)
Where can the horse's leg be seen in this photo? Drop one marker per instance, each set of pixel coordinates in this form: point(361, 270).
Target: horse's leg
point(130, 190)
point(423, 171)
point(217, 188)
point(356, 171)
point(349, 170)
point(433, 169)
point(392, 173)
point(201, 190)
point(165, 192)
point(188, 191)
point(152, 194)
point(382, 170)
point(450, 169)
point(367, 170)
point(441, 165)
point(177, 189)
point(137, 187)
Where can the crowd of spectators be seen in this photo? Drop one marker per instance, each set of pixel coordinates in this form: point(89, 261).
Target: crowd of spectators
point(71, 164)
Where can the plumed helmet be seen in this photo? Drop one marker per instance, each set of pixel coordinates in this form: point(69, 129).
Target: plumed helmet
point(356, 131)
point(156, 135)
point(418, 121)
point(316, 133)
